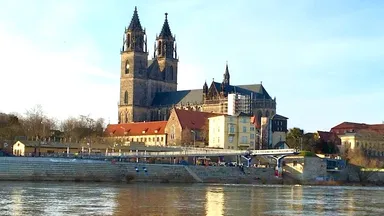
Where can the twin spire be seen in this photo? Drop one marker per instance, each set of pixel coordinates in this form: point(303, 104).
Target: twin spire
point(135, 38)
point(135, 22)
point(166, 30)
point(135, 25)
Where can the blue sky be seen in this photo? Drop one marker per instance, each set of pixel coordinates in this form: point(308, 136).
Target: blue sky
point(323, 60)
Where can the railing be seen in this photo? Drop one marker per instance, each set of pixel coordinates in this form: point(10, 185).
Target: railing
point(274, 152)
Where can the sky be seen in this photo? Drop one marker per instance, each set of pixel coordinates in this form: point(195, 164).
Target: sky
point(322, 60)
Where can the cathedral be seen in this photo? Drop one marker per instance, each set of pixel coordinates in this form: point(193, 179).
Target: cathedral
point(148, 88)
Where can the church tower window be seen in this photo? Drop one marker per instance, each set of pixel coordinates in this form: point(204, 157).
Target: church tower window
point(127, 67)
point(126, 97)
point(128, 40)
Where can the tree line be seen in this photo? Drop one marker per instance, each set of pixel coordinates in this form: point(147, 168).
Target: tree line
point(35, 125)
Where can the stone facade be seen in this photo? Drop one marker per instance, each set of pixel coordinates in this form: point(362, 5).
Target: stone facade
point(148, 88)
point(141, 79)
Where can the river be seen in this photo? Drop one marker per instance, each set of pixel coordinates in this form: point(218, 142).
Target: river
point(64, 198)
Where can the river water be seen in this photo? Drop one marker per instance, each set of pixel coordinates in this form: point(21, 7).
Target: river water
point(51, 198)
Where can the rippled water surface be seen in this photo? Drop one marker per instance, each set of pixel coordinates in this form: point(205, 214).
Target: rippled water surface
point(48, 198)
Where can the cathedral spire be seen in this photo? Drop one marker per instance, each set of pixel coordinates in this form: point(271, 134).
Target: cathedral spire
point(226, 75)
point(166, 42)
point(134, 36)
point(135, 22)
point(166, 30)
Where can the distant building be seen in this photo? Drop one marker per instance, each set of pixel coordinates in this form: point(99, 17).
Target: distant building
point(274, 132)
point(149, 133)
point(351, 127)
point(148, 88)
point(42, 148)
point(232, 132)
point(188, 128)
point(368, 137)
point(371, 142)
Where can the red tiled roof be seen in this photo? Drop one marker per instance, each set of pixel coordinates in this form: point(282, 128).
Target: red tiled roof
point(193, 119)
point(354, 127)
point(135, 129)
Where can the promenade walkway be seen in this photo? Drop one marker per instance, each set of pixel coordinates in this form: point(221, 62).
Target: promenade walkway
point(203, 153)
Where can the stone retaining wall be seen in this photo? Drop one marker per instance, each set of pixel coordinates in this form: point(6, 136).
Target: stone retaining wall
point(62, 169)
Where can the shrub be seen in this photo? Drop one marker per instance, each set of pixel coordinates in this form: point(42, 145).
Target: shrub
point(307, 154)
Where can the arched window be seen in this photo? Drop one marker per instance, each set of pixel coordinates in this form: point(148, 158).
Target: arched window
point(126, 97)
point(122, 118)
point(128, 40)
point(160, 48)
point(127, 67)
point(173, 132)
point(267, 113)
point(171, 73)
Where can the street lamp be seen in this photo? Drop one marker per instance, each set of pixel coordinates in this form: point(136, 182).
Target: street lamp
point(194, 138)
point(194, 142)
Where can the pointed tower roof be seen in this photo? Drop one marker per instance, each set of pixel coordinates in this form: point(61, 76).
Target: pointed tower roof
point(165, 31)
point(226, 74)
point(135, 22)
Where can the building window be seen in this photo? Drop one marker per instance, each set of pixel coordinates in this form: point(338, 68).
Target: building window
point(230, 139)
point(126, 97)
point(127, 67)
point(244, 120)
point(173, 131)
point(218, 139)
point(244, 139)
point(231, 128)
point(252, 136)
point(252, 128)
point(244, 129)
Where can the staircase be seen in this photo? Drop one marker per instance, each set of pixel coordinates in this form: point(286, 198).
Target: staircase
point(193, 174)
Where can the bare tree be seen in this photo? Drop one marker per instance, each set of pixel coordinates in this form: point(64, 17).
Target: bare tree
point(186, 137)
point(204, 133)
point(37, 125)
point(82, 129)
point(359, 161)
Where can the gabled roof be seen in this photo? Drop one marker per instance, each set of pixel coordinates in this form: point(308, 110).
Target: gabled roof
point(243, 114)
point(193, 119)
point(166, 30)
point(196, 96)
point(257, 90)
point(353, 127)
point(178, 97)
point(278, 117)
point(135, 22)
point(136, 129)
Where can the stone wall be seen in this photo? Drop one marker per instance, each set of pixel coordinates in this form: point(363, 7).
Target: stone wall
point(212, 174)
point(62, 169)
point(304, 169)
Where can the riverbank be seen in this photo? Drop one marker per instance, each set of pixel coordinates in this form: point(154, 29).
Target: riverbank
point(64, 169)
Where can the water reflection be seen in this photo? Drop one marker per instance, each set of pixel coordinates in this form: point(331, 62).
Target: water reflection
point(27, 198)
point(214, 201)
